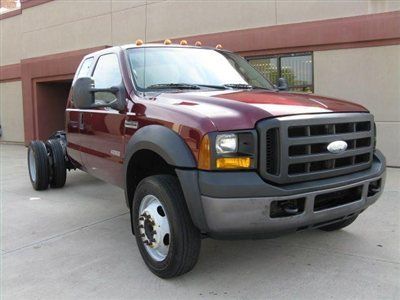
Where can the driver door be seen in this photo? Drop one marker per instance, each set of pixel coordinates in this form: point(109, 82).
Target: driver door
point(102, 133)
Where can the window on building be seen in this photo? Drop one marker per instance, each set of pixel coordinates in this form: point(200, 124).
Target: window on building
point(296, 68)
point(105, 75)
point(9, 5)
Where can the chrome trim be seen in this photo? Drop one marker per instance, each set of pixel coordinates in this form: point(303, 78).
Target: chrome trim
point(132, 124)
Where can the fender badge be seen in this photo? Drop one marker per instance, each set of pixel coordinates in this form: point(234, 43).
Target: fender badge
point(115, 153)
point(132, 124)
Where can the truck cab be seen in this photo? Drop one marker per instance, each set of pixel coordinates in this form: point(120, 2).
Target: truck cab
point(204, 146)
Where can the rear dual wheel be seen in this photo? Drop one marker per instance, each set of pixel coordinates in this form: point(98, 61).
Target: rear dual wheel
point(38, 165)
point(46, 164)
point(58, 174)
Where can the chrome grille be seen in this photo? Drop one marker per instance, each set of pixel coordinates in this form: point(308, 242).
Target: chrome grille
point(294, 148)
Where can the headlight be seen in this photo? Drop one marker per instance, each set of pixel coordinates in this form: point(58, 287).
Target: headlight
point(227, 151)
point(226, 143)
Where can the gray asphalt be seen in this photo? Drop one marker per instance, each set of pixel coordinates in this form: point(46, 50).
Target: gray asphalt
point(75, 243)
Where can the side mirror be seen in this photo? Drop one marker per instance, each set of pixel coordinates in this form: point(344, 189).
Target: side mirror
point(83, 95)
point(282, 84)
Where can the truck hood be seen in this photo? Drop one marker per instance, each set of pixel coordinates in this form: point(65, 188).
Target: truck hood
point(241, 109)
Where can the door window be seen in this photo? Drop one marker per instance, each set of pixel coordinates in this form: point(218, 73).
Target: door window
point(106, 74)
point(85, 68)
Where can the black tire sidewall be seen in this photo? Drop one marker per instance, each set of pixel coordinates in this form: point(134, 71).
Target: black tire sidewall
point(169, 198)
point(59, 170)
point(41, 165)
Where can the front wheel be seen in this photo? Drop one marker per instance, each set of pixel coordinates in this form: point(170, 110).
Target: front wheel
point(167, 239)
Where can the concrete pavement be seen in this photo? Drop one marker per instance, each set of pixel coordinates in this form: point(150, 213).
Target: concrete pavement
point(75, 243)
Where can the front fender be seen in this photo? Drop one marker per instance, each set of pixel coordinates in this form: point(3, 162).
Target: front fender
point(173, 149)
point(163, 141)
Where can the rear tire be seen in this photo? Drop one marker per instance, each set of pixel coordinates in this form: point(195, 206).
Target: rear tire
point(58, 169)
point(38, 165)
point(338, 225)
point(170, 248)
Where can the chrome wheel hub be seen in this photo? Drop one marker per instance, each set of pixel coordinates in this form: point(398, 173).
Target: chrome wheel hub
point(154, 227)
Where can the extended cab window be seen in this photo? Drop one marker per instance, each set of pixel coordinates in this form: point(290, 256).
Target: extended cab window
point(107, 74)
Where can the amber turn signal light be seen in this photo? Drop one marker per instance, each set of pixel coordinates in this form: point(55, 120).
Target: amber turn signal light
point(183, 43)
point(233, 163)
point(205, 154)
point(167, 42)
point(139, 42)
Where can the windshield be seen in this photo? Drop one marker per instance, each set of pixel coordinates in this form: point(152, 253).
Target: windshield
point(173, 67)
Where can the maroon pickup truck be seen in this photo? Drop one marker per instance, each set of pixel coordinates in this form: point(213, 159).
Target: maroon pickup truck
point(205, 146)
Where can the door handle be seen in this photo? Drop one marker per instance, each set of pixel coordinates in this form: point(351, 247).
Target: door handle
point(81, 121)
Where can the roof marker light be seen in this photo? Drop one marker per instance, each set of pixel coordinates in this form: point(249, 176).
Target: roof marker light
point(183, 43)
point(139, 42)
point(198, 44)
point(167, 42)
point(219, 46)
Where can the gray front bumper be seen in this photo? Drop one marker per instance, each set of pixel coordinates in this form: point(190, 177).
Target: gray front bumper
point(251, 216)
point(237, 204)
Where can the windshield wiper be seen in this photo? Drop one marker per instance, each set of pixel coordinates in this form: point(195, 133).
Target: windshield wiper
point(220, 87)
point(183, 86)
point(238, 86)
point(180, 86)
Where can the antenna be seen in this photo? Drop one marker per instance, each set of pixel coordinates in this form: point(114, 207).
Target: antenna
point(145, 23)
point(144, 49)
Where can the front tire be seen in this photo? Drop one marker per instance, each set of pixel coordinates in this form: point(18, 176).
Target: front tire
point(38, 165)
point(167, 239)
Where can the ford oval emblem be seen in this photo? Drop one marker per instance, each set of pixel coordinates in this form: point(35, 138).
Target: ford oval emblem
point(337, 147)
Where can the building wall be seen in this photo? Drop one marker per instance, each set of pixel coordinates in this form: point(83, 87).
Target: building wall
point(11, 112)
point(363, 74)
point(369, 76)
point(310, 10)
point(70, 27)
point(11, 43)
point(66, 27)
